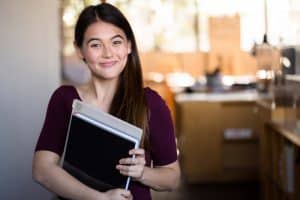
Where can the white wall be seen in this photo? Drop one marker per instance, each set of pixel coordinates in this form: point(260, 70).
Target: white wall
point(29, 72)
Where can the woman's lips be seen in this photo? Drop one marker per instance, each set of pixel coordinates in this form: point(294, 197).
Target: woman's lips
point(108, 64)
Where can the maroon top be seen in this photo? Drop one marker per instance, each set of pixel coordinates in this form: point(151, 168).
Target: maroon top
point(161, 131)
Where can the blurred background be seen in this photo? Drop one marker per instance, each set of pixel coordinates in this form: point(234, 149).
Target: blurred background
point(228, 70)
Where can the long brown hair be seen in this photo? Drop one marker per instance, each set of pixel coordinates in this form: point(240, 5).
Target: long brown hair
point(129, 102)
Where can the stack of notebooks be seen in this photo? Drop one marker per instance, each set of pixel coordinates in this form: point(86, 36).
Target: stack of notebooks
point(95, 143)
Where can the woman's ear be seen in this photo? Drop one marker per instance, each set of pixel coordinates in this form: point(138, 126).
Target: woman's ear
point(78, 52)
point(129, 47)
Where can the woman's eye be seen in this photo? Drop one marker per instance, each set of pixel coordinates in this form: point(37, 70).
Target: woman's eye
point(95, 45)
point(117, 42)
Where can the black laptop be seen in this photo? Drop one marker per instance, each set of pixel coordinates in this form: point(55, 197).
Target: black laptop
point(96, 141)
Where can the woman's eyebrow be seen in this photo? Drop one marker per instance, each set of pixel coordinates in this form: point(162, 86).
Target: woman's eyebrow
point(92, 39)
point(118, 36)
point(99, 40)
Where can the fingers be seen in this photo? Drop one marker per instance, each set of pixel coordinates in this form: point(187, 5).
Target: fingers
point(137, 152)
point(138, 160)
point(126, 193)
point(118, 194)
point(133, 161)
point(130, 170)
point(134, 171)
point(133, 167)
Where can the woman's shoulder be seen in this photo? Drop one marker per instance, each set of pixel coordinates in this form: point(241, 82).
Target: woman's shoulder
point(151, 94)
point(64, 89)
point(154, 100)
point(65, 92)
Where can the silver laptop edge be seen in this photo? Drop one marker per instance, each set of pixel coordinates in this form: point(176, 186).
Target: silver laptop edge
point(104, 118)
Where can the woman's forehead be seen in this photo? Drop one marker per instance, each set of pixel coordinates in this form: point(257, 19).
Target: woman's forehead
point(103, 30)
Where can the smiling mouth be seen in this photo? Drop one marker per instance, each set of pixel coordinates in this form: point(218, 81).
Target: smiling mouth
point(108, 64)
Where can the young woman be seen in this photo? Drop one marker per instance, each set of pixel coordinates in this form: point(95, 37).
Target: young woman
point(105, 42)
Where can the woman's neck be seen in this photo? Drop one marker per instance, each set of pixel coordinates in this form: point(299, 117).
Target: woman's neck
point(100, 93)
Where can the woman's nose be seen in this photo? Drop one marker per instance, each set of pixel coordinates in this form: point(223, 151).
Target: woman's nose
point(107, 52)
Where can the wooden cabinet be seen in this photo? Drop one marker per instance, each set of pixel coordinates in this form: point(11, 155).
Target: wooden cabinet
point(270, 145)
point(281, 175)
point(239, 155)
point(199, 140)
point(205, 154)
point(266, 113)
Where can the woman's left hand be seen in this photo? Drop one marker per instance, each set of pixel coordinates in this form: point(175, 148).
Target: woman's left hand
point(133, 167)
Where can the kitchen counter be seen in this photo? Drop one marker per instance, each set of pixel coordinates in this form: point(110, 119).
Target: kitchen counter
point(247, 95)
point(202, 121)
point(289, 130)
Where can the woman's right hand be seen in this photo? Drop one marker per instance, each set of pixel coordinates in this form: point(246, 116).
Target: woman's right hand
point(118, 194)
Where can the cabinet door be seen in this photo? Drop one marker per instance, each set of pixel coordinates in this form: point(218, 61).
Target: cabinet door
point(200, 140)
point(240, 147)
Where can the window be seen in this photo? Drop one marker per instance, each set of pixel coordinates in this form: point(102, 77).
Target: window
point(182, 25)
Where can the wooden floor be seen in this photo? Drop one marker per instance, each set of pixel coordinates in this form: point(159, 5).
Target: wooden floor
point(232, 191)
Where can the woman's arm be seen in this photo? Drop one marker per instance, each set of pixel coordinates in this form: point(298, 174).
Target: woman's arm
point(49, 174)
point(162, 178)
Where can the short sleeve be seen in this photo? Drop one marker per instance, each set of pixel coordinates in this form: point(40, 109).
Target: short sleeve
point(161, 130)
point(54, 131)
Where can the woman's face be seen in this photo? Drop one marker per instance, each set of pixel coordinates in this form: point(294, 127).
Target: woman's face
point(105, 49)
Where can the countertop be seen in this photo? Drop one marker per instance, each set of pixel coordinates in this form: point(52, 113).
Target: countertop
point(247, 96)
point(290, 130)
